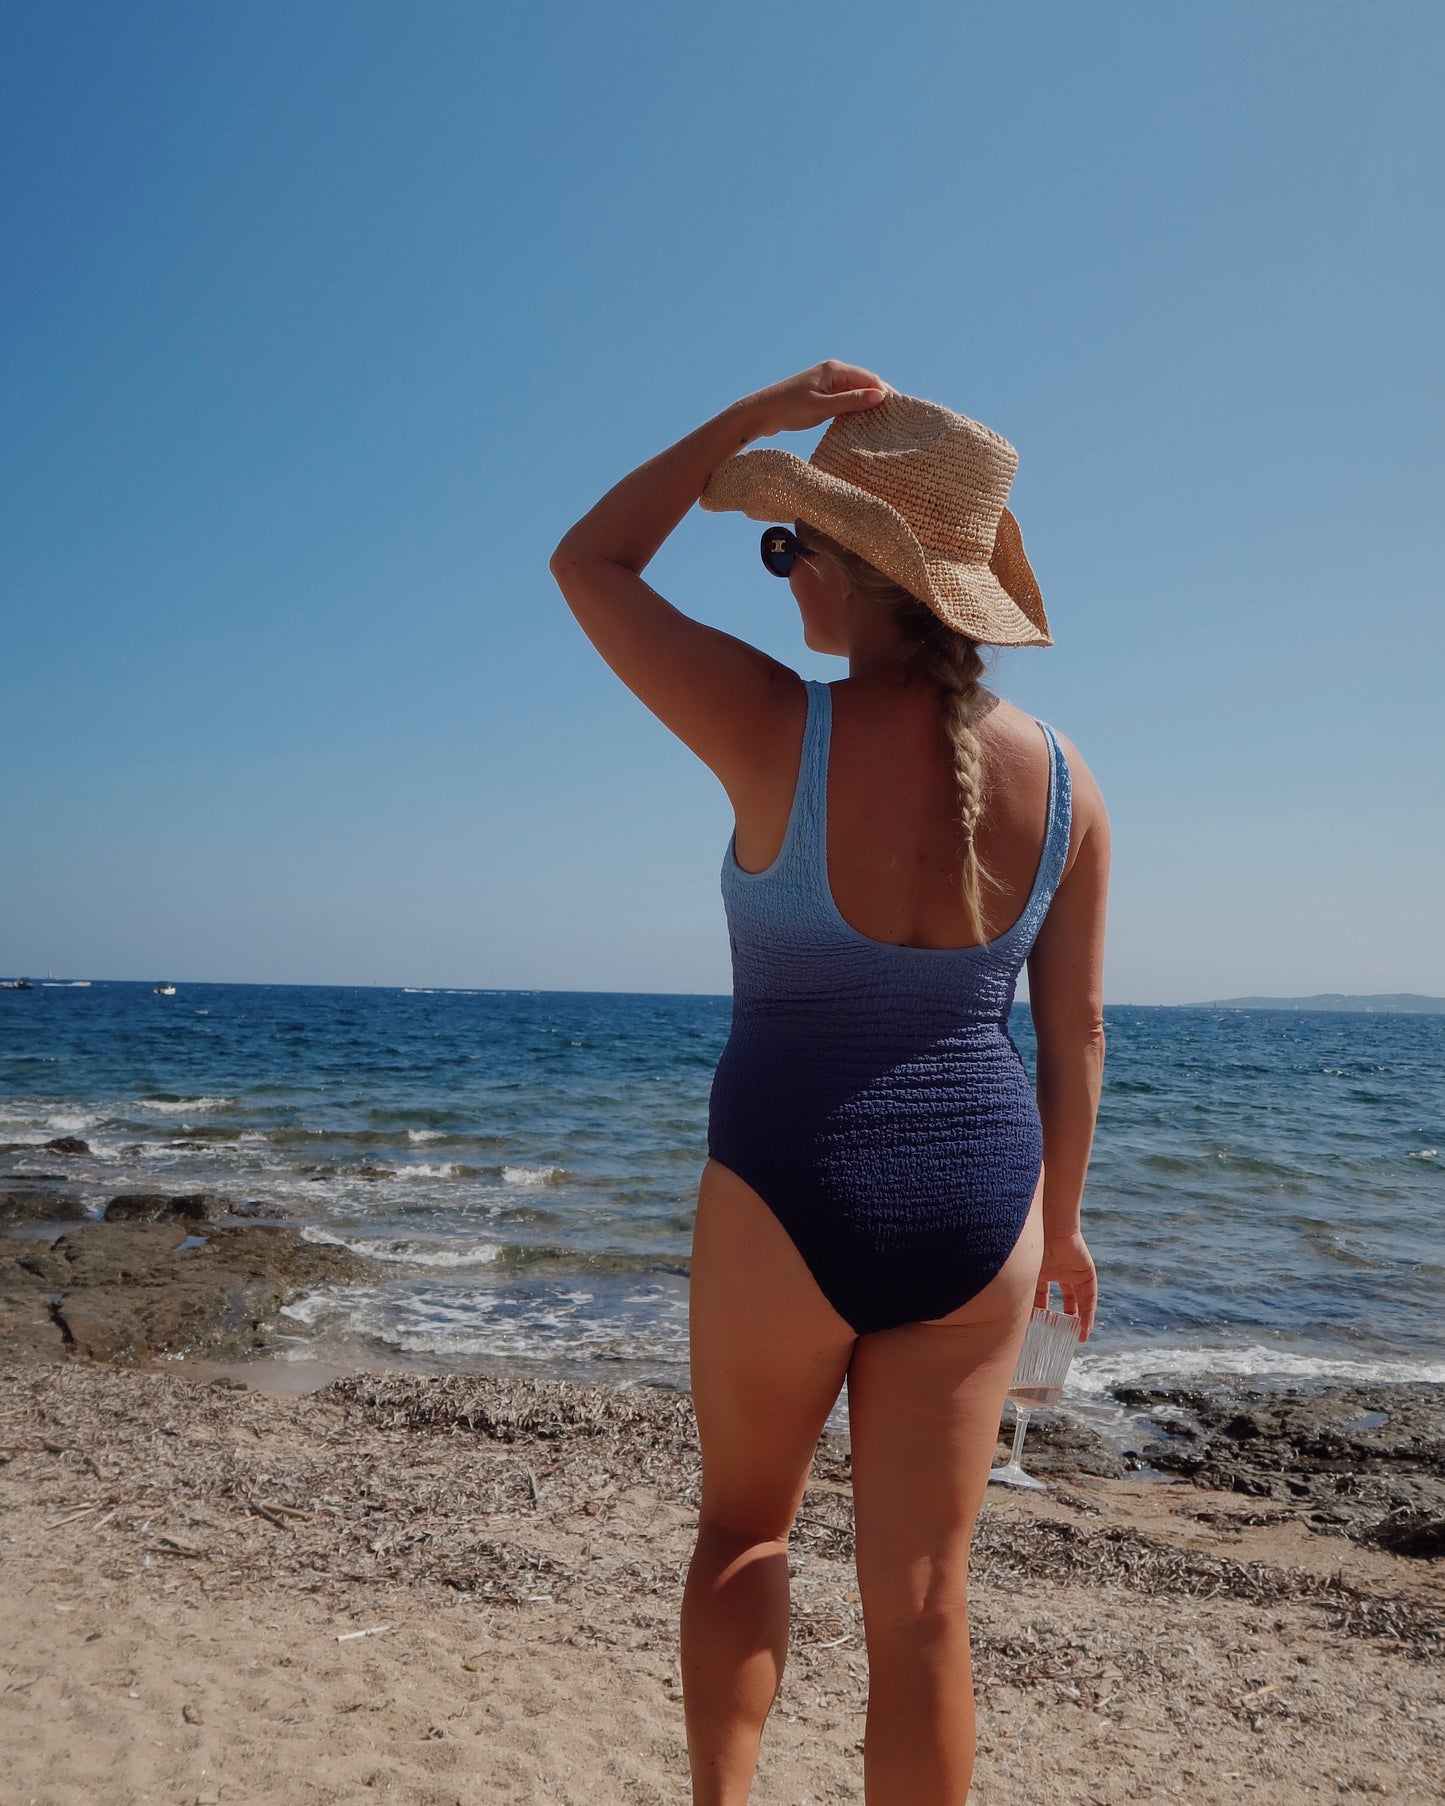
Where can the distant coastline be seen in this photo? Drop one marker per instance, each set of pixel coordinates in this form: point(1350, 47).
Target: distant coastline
point(1385, 1003)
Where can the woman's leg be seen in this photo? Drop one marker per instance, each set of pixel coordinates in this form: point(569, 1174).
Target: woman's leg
point(924, 1404)
point(769, 1355)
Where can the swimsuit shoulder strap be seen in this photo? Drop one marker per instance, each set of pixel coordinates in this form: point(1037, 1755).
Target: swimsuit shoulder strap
point(810, 804)
point(1060, 823)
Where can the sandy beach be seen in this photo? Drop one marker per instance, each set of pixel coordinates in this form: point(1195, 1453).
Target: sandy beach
point(443, 1590)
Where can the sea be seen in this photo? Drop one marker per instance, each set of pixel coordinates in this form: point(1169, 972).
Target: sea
point(1266, 1197)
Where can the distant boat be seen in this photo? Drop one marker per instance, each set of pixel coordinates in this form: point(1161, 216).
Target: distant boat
point(165, 990)
point(16, 984)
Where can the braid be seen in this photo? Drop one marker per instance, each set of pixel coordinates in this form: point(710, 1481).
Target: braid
point(953, 661)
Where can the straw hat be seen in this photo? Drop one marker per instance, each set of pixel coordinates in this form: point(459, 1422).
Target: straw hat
point(919, 492)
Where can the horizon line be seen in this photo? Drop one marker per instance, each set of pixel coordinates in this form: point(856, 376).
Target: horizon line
point(1257, 1000)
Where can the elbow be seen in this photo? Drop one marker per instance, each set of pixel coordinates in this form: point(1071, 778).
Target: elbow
point(1080, 1038)
point(562, 558)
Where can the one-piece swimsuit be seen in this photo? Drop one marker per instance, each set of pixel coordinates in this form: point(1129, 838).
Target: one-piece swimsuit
point(870, 1093)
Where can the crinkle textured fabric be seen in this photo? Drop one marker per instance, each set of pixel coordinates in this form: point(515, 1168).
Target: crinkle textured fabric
point(871, 1094)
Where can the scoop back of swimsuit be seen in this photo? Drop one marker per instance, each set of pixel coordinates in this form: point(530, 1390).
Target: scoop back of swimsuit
point(871, 1094)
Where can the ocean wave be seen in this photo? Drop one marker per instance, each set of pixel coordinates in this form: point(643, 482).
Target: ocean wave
point(471, 1322)
point(531, 1175)
point(178, 1106)
point(1099, 1373)
point(534, 1257)
point(295, 1137)
point(406, 1252)
point(72, 1122)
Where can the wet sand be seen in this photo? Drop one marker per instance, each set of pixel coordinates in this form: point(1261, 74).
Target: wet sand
point(185, 1564)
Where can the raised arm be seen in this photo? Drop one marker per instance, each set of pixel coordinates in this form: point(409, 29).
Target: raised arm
point(719, 695)
point(1066, 999)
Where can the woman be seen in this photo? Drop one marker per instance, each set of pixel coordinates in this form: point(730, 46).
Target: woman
point(884, 1197)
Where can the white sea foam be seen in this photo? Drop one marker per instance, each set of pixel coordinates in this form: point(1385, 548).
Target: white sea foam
point(310, 1309)
point(531, 1175)
point(1424, 1154)
point(71, 1122)
point(409, 1253)
point(462, 1321)
point(180, 1106)
point(426, 1134)
point(423, 1169)
point(1097, 1373)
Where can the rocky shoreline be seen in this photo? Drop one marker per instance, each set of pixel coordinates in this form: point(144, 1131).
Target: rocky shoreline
point(158, 1276)
point(167, 1276)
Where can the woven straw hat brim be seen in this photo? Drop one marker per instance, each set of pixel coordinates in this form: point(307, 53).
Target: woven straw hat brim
point(773, 485)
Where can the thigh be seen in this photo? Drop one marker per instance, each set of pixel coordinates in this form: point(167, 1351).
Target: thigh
point(924, 1405)
point(769, 1356)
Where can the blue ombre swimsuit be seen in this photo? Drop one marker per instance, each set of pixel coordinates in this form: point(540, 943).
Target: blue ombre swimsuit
point(869, 1093)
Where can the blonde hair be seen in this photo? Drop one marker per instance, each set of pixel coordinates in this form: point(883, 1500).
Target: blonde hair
point(952, 660)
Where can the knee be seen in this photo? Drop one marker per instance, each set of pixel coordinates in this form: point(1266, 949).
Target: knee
point(909, 1622)
point(742, 1528)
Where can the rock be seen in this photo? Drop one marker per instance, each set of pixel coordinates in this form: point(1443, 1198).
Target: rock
point(198, 1311)
point(37, 1206)
point(29, 1333)
point(277, 1252)
point(1060, 1447)
point(1365, 1462)
point(1410, 1532)
point(26, 1266)
point(128, 1291)
point(99, 1254)
point(157, 1207)
point(68, 1144)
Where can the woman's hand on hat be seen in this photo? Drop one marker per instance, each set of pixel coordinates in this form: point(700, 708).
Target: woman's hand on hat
point(813, 396)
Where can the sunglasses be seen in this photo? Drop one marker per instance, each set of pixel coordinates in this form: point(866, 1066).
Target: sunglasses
point(780, 547)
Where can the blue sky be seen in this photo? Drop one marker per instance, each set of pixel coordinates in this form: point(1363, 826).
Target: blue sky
point(323, 322)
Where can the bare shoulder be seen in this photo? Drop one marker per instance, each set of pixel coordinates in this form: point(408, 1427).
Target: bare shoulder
point(1090, 815)
point(1014, 738)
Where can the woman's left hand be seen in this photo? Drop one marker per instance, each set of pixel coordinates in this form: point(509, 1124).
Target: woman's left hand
point(813, 396)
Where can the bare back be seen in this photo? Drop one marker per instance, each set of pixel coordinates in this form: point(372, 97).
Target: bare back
point(895, 847)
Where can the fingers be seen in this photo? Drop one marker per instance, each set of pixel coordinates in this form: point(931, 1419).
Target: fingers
point(1088, 1305)
point(1080, 1297)
point(853, 401)
point(839, 378)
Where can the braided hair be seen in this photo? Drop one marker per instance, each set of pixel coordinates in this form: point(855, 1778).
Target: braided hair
point(953, 661)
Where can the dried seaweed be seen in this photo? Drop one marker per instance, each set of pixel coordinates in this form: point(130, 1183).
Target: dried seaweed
point(457, 1483)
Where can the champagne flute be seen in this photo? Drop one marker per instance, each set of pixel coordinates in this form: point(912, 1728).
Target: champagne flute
point(1038, 1384)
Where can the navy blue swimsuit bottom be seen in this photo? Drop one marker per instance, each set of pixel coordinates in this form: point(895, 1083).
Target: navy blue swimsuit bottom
point(871, 1094)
